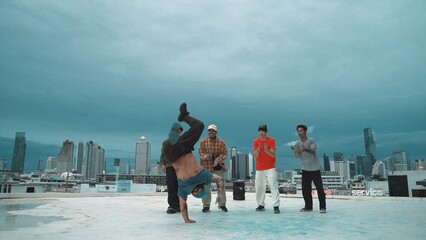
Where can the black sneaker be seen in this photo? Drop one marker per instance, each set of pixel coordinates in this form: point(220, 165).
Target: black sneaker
point(306, 210)
point(183, 112)
point(223, 208)
point(205, 209)
point(260, 209)
point(276, 210)
point(171, 210)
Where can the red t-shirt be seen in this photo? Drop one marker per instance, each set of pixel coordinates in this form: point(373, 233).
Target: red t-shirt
point(264, 161)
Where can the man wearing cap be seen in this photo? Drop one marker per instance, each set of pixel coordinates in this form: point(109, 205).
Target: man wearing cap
point(171, 179)
point(264, 153)
point(191, 176)
point(213, 155)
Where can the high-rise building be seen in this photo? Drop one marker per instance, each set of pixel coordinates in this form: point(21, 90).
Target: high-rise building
point(342, 167)
point(337, 156)
point(379, 170)
point(39, 166)
point(19, 151)
point(370, 145)
point(389, 164)
point(2, 164)
point(402, 160)
point(326, 162)
point(94, 161)
point(143, 156)
point(363, 165)
point(51, 163)
point(156, 169)
point(352, 169)
point(232, 158)
point(65, 157)
point(80, 156)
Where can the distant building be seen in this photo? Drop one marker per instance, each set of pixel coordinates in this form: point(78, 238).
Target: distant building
point(363, 165)
point(40, 166)
point(232, 158)
point(155, 169)
point(370, 145)
point(80, 157)
point(3, 165)
point(143, 156)
point(326, 162)
point(352, 169)
point(402, 160)
point(342, 167)
point(136, 178)
point(19, 150)
point(379, 170)
point(65, 157)
point(94, 161)
point(51, 163)
point(337, 156)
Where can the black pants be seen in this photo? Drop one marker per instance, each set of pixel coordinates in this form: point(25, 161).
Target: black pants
point(307, 178)
point(172, 188)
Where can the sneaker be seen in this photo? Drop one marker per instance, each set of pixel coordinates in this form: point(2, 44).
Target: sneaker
point(276, 210)
point(171, 210)
point(306, 210)
point(205, 209)
point(223, 208)
point(322, 210)
point(260, 209)
point(183, 112)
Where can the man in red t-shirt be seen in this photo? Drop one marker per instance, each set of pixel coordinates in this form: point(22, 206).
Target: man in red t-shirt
point(264, 153)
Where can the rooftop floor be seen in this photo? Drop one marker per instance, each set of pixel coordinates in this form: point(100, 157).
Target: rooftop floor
point(144, 217)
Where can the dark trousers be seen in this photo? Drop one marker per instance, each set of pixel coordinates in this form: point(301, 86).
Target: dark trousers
point(307, 178)
point(172, 188)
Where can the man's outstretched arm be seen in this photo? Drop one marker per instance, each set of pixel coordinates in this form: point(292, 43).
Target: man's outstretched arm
point(184, 210)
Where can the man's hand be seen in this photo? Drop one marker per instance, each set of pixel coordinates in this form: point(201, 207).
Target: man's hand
point(163, 168)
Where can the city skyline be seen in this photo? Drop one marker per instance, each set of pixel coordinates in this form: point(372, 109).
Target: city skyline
point(122, 71)
point(76, 155)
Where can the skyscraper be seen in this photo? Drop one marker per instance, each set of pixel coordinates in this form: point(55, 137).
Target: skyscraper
point(80, 156)
point(51, 163)
point(232, 158)
point(39, 166)
point(2, 164)
point(342, 167)
point(94, 161)
point(19, 150)
point(65, 157)
point(326, 162)
point(363, 165)
point(402, 160)
point(143, 156)
point(370, 145)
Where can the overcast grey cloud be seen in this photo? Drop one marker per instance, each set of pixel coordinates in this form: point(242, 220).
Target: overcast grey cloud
point(111, 71)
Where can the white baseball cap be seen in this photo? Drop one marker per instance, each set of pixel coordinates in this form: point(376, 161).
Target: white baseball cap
point(212, 127)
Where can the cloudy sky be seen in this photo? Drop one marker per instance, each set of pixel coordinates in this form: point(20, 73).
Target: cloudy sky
point(112, 71)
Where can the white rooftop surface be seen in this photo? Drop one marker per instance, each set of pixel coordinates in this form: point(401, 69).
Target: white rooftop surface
point(144, 217)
